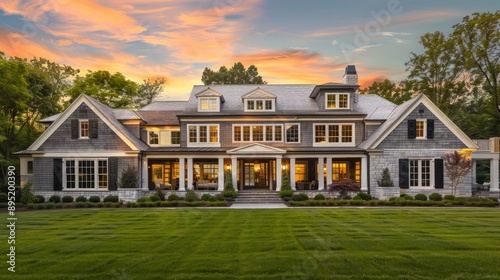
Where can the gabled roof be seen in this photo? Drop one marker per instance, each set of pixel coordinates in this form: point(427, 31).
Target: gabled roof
point(256, 148)
point(165, 106)
point(210, 93)
point(401, 112)
point(259, 93)
point(105, 113)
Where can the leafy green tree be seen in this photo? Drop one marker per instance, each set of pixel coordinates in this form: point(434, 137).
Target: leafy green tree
point(478, 41)
point(148, 91)
point(238, 74)
point(436, 74)
point(113, 90)
point(396, 93)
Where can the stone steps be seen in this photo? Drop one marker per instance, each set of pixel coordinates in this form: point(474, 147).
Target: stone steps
point(257, 197)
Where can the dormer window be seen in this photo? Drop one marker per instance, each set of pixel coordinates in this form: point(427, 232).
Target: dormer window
point(259, 105)
point(336, 101)
point(209, 100)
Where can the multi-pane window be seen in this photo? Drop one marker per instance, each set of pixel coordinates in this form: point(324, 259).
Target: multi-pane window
point(339, 171)
point(420, 173)
point(257, 133)
point(333, 134)
point(203, 133)
point(337, 101)
point(292, 133)
point(164, 137)
point(29, 167)
point(420, 129)
point(86, 173)
point(208, 104)
point(259, 105)
point(84, 128)
point(300, 171)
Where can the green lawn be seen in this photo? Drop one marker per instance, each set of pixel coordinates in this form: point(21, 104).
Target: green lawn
point(346, 243)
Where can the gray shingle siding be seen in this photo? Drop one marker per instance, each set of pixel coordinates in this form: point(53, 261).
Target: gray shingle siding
point(61, 140)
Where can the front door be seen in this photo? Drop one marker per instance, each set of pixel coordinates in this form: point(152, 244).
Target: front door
point(256, 175)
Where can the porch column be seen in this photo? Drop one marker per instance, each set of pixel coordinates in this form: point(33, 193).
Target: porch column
point(144, 175)
point(278, 175)
point(190, 174)
point(234, 171)
point(321, 178)
point(364, 174)
point(292, 174)
point(182, 175)
point(328, 171)
point(494, 164)
point(474, 172)
point(220, 178)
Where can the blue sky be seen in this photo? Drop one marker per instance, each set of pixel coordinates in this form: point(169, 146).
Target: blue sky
point(289, 41)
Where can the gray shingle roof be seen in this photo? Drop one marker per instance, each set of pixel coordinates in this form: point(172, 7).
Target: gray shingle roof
point(159, 117)
point(165, 106)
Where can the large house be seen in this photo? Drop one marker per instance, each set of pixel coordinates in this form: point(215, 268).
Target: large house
point(318, 134)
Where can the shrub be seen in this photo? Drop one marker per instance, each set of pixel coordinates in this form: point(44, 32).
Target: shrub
point(94, 199)
point(286, 193)
point(81, 198)
point(205, 197)
point(220, 197)
point(3, 197)
point(386, 180)
point(55, 198)
point(67, 199)
point(435, 197)
point(160, 194)
point(300, 197)
point(27, 195)
point(319, 197)
point(363, 196)
point(228, 181)
point(154, 198)
point(191, 196)
point(449, 197)
point(406, 196)
point(111, 198)
point(285, 181)
point(130, 178)
point(143, 199)
point(230, 194)
point(173, 197)
point(212, 198)
point(39, 199)
point(344, 186)
point(421, 197)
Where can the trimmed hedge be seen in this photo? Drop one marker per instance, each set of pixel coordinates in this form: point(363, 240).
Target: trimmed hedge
point(400, 201)
point(67, 199)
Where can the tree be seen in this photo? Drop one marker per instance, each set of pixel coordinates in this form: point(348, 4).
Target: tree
point(228, 181)
point(113, 90)
point(390, 90)
point(457, 166)
point(148, 91)
point(234, 76)
point(285, 182)
point(436, 74)
point(386, 180)
point(478, 41)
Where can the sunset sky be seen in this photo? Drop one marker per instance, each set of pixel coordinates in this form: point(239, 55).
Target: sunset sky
point(289, 41)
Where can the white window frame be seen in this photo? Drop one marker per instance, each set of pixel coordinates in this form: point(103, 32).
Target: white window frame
point(80, 128)
point(203, 144)
point(424, 121)
point(264, 100)
point(327, 136)
point(298, 132)
point(264, 130)
point(216, 104)
point(162, 134)
point(96, 174)
point(420, 179)
point(337, 101)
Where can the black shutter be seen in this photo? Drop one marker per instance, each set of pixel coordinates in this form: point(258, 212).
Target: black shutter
point(58, 174)
point(93, 128)
point(439, 173)
point(144, 136)
point(112, 173)
point(403, 174)
point(412, 129)
point(75, 129)
point(430, 129)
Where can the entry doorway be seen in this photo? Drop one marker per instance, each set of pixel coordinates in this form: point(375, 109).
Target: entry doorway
point(257, 174)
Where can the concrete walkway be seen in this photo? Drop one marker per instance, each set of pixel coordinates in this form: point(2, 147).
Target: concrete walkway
point(258, 206)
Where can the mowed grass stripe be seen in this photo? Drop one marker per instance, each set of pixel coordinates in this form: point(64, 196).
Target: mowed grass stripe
point(345, 243)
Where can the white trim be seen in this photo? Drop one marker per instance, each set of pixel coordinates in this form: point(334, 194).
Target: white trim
point(208, 99)
point(76, 174)
point(68, 112)
point(298, 133)
point(334, 144)
point(256, 149)
point(202, 144)
point(273, 105)
point(424, 121)
point(80, 121)
point(160, 137)
point(432, 181)
point(80, 154)
point(263, 133)
point(337, 94)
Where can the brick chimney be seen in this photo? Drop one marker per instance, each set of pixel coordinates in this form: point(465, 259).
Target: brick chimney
point(350, 76)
